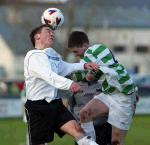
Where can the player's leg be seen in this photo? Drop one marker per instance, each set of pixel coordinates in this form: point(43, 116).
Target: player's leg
point(89, 130)
point(93, 109)
point(72, 128)
point(120, 116)
point(118, 136)
point(66, 123)
point(103, 133)
point(88, 127)
point(96, 108)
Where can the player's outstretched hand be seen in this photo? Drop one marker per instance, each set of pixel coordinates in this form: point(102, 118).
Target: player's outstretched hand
point(91, 66)
point(75, 87)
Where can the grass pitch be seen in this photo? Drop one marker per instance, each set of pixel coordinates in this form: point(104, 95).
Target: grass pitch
point(13, 132)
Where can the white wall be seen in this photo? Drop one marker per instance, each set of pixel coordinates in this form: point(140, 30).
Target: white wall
point(6, 57)
point(130, 38)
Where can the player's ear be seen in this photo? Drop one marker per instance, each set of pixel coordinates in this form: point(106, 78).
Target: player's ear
point(37, 36)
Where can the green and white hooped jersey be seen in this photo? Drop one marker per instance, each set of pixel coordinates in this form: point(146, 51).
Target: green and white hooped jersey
point(112, 75)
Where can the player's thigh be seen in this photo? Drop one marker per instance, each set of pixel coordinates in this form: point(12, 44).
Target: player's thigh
point(95, 108)
point(118, 135)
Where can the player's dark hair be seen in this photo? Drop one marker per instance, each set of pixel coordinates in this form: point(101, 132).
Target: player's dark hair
point(77, 39)
point(35, 31)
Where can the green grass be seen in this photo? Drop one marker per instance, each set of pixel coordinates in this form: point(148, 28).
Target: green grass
point(139, 134)
point(13, 132)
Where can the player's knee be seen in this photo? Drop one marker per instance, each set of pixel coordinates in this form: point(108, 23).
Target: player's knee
point(84, 113)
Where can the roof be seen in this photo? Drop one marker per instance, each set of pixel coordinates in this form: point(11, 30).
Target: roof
point(125, 3)
point(102, 13)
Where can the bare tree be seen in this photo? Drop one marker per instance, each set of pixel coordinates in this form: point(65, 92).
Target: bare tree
point(71, 8)
point(90, 14)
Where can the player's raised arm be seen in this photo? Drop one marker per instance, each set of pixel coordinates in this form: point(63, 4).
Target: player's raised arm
point(68, 68)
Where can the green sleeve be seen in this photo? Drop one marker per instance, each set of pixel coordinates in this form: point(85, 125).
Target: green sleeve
point(77, 76)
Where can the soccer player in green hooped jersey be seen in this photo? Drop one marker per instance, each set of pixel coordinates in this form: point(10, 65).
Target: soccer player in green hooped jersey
point(118, 90)
point(98, 129)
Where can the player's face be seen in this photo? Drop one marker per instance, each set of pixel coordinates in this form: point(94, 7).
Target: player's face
point(47, 37)
point(78, 51)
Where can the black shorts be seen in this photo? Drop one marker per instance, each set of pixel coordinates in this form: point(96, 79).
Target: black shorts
point(44, 119)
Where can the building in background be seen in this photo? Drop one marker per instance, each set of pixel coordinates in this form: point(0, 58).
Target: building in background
point(124, 26)
point(130, 45)
point(7, 59)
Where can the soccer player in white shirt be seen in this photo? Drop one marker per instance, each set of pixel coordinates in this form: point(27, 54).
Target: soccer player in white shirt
point(44, 70)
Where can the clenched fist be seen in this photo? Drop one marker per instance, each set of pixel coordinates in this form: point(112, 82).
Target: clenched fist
point(91, 66)
point(75, 87)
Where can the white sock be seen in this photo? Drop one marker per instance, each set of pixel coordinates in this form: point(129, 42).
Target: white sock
point(86, 141)
point(81, 141)
point(89, 130)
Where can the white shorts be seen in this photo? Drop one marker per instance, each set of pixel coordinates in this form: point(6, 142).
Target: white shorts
point(121, 109)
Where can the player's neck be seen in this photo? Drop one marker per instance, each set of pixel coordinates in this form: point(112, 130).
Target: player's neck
point(40, 46)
